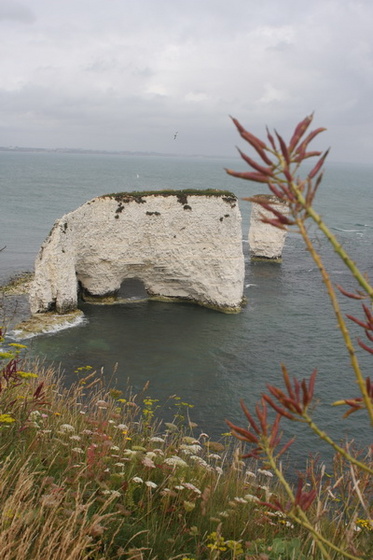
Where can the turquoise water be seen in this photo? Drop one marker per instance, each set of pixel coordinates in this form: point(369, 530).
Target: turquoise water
point(209, 359)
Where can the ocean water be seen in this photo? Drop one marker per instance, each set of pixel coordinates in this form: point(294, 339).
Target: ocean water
point(209, 359)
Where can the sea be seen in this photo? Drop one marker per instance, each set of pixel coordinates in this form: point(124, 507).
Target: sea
point(209, 360)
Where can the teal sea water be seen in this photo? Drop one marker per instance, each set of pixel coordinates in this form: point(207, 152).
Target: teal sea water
point(209, 359)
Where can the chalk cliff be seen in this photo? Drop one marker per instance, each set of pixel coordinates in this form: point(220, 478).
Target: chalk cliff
point(266, 241)
point(181, 244)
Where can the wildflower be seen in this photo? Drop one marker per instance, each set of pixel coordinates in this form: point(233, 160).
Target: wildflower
point(34, 415)
point(265, 473)
point(171, 427)
point(251, 498)
point(102, 404)
point(250, 474)
point(65, 428)
point(214, 456)
point(190, 486)
point(224, 514)
point(219, 470)
point(190, 440)
point(16, 345)
point(130, 452)
point(6, 355)
point(75, 438)
point(147, 462)
point(191, 449)
point(156, 439)
point(137, 479)
point(175, 461)
point(189, 506)
point(77, 450)
point(27, 374)
point(158, 451)
point(114, 448)
point(201, 462)
point(151, 484)
point(364, 524)
point(151, 454)
point(119, 465)
point(122, 427)
point(240, 500)
point(6, 419)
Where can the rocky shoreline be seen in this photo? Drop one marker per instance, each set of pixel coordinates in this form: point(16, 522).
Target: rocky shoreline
point(19, 322)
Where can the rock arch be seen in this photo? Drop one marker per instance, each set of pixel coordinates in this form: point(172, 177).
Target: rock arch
point(181, 244)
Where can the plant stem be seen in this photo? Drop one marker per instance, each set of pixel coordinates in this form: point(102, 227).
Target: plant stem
point(341, 323)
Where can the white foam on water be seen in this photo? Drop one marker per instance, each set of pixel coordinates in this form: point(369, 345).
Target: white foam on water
point(18, 334)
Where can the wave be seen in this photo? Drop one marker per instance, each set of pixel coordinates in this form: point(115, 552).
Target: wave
point(19, 334)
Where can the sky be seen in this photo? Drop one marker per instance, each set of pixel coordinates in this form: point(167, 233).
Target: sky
point(129, 74)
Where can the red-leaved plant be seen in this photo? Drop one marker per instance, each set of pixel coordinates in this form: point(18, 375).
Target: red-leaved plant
point(278, 169)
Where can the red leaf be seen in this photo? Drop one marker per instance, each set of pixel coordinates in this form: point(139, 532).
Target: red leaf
point(318, 165)
point(300, 129)
point(249, 176)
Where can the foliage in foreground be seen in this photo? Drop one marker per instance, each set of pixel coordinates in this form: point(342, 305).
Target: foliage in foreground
point(88, 473)
point(280, 163)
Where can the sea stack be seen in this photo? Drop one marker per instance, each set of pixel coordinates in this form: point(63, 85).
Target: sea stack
point(266, 242)
point(182, 245)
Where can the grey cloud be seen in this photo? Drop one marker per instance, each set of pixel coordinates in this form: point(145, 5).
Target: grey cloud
point(15, 11)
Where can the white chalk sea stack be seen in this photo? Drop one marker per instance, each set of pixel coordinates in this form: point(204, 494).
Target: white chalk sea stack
point(183, 245)
point(266, 241)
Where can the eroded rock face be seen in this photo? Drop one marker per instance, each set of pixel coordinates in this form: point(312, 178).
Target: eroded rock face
point(180, 245)
point(265, 240)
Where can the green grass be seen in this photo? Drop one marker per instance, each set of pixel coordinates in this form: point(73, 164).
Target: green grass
point(171, 192)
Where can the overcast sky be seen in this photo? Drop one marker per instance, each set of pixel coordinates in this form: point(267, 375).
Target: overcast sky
point(129, 74)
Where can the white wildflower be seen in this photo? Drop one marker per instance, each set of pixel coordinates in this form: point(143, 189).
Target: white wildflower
point(151, 484)
point(102, 404)
point(158, 451)
point(240, 500)
point(251, 498)
point(190, 486)
point(115, 493)
point(147, 462)
point(137, 479)
point(122, 427)
point(201, 462)
point(175, 461)
point(75, 438)
point(119, 465)
point(151, 454)
point(194, 449)
point(224, 514)
point(219, 470)
point(265, 473)
point(156, 439)
point(214, 456)
point(77, 450)
point(86, 432)
point(114, 448)
point(65, 428)
point(130, 452)
point(250, 474)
